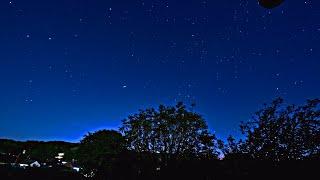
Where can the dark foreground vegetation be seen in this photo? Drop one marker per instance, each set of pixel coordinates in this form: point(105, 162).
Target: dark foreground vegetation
point(11, 173)
point(186, 170)
point(173, 142)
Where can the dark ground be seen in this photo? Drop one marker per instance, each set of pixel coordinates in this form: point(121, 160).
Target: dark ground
point(184, 170)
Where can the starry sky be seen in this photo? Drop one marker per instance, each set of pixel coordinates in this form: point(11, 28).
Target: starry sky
point(72, 66)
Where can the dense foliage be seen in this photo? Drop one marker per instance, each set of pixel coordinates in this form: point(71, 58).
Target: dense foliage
point(279, 132)
point(100, 150)
point(174, 132)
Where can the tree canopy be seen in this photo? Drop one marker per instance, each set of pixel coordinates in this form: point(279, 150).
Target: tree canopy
point(269, 4)
point(279, 132)
point(99, 149)
point(173, 131)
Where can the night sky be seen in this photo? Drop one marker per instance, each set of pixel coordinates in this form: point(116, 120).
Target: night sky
point(72, 66)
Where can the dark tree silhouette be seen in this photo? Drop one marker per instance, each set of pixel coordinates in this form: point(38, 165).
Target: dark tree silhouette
point(280, 132)
point(233, 150)
point(98, 151)
point(269, 4)
point(173, 132)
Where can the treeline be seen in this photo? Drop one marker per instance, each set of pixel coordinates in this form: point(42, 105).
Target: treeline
point(174, 141)
point(36, 150)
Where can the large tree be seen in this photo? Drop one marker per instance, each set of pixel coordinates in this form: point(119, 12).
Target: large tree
point(280, 132)
point(99, 150)
point(171, 131)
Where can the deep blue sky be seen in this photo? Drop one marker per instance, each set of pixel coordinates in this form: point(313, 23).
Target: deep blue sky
point(72, 66)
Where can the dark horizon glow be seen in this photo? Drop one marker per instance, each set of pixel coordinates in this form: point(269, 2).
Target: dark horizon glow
point(70, 67)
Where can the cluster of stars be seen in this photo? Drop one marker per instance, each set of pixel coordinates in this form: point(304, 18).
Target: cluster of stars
point(196, 45)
